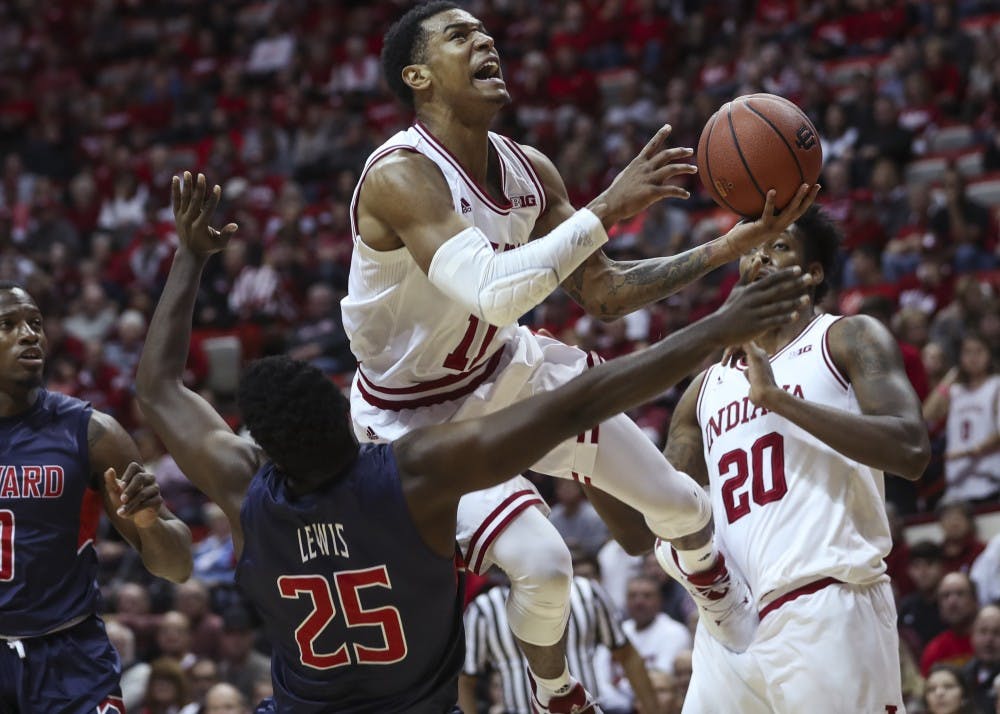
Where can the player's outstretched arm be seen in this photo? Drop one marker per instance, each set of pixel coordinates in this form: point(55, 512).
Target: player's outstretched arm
point(133, 503)
point(866, 353)
point(609, 289)
point(210, 455)
point(444, 462)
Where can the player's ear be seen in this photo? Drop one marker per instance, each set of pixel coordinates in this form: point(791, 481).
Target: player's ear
point(417, 76)
point(816, 270)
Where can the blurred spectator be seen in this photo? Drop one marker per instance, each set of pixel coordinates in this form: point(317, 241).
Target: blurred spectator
point(657, 637)
point(134, 609)
point(173, 639)
point(962, 315)
point(576, 520)
point(985, 572)
point(135, 674)
point(94, 316)
point(240, 664)
point(985, 664)
point(203, 676)
point(964, 226)
point(124, 350)
point(969, 397)
point(919, 615)
point(224, 698)
point(167, 690)
point(958, 605)
point(191, 599)
point(961, 544)
point(617, 568)
point(214, 558)
point(899, 555)
point(947, 692)
point(319, 338)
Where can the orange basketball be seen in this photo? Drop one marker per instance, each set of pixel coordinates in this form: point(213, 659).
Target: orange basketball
point(755, 143)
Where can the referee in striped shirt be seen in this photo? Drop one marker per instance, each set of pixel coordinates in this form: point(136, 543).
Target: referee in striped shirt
point(592, 622)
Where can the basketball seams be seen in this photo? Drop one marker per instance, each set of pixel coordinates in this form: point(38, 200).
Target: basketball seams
point(743, 160)
point(798, 164)
point(708, 164)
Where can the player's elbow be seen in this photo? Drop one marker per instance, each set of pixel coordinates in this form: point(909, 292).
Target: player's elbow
point(176, 570)
point(915, 453)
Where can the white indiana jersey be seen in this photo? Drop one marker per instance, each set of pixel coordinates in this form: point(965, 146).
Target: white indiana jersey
point(973, 417)
point(789, 510)
point(415, 345)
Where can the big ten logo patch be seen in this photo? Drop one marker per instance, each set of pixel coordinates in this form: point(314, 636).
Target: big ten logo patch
point(524, 201)
point(805, 139)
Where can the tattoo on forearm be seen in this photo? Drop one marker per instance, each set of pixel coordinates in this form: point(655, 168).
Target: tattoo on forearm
point(95, 430)
point(634, 284)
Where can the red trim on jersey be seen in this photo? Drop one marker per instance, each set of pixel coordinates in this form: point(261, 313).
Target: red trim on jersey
point(433, 384)
point(480, 192)
point(807, 589)
point(355, 231)
point(490, 528)
point(432, 399)
point(532, 174)
point(828, 358)
point(90, 517)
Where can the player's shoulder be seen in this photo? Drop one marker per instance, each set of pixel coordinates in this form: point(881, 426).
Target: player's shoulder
point(542, 164)
point(399, 169)
point(849, 331)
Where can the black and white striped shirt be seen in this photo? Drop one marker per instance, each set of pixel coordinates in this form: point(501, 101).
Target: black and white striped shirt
point(488, 639)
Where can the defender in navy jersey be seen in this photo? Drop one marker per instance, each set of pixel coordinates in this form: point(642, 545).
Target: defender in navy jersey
point(59, 466)
point(347, 551)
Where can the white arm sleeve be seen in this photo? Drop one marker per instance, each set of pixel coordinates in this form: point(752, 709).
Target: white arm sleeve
point(500, 287)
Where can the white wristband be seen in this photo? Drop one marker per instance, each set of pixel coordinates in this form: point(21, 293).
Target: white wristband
point(500, 287)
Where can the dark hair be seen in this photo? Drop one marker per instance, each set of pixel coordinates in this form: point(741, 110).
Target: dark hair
point(298, 416)
point(404, 44)
point(926, 550)
point(963, 684)
point(963, 376)
point(11, 285)
point(821, 240)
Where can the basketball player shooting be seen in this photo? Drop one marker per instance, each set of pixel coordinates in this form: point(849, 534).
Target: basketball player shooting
point(348, 551)
point(458, 232)
point(794, 439)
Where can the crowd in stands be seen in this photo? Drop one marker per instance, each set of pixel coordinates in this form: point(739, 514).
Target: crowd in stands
point(280, 102)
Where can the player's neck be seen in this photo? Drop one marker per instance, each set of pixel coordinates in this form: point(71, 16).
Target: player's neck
point(773, 341)
point(17, 400)
point(467, 140)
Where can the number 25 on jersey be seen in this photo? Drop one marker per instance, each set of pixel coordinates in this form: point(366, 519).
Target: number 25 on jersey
point(317, 589)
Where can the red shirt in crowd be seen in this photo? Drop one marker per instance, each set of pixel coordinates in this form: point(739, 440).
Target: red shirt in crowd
point(949, 647)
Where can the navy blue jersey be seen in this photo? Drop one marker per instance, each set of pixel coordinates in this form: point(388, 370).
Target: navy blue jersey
point(49, 510)
point(361, 615)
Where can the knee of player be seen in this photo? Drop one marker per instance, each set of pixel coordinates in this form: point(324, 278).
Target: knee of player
point(548, 569)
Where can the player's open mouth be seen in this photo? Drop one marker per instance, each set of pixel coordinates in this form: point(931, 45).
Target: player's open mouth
point(488, 70)
point(31, 356)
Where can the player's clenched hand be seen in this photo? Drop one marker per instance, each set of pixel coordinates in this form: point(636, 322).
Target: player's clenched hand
point(759, 374)
point(644, 181)
point(193, 212)
point(750, 234)
point(763, 305)
point(135, 495)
